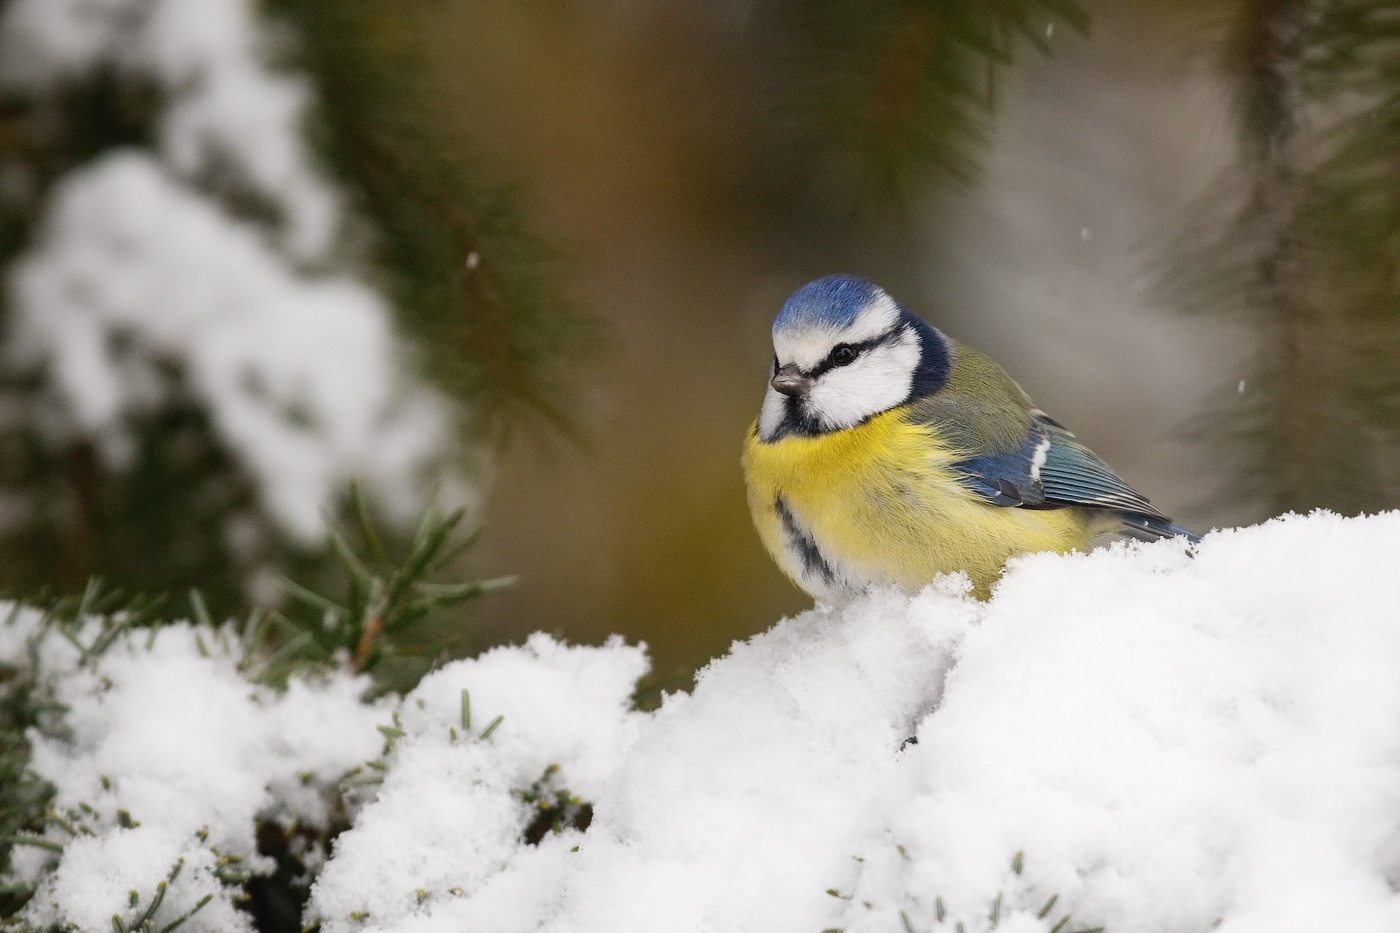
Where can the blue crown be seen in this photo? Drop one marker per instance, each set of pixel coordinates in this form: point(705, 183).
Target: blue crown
point(830, 302)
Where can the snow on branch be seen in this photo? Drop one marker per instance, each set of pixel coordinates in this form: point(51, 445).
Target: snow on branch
point(211, 256)
point(167, 756)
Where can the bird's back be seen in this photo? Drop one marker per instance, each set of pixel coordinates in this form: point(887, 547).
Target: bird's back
point(980, 409)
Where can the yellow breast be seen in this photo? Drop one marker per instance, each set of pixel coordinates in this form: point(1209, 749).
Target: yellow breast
point(880, 504)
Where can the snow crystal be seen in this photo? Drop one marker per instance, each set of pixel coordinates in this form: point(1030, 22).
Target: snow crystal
point(1158, 741)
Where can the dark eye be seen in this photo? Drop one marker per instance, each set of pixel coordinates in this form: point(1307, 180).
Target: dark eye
point(843, 354)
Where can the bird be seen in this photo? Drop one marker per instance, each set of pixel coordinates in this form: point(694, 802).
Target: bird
point(886, 453)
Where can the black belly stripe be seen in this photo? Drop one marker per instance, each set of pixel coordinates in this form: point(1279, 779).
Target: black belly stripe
point(812, 561)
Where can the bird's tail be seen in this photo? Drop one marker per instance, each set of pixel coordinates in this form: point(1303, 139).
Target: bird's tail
point(1151, 528)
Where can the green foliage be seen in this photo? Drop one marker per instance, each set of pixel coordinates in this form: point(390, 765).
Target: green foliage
point(114, 612)
point(142, 919)
point(1303, 242)
point(936, 917)
point(483, 295)
point(381, 617)
point(372, 772)
point(49, 136)
point(26, 703)
point(378, 621)
point(554, 808)
point(160, 523)
point(24, 797)
point(891, 92)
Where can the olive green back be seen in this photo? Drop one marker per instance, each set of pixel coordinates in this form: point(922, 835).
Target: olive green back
point(981, 410)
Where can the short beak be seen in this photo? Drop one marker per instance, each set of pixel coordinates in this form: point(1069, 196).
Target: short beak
point(790, 381)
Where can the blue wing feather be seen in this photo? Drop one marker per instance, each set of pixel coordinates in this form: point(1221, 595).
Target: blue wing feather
point(1005, 478)
point(1074, 475)
point(1052, 469)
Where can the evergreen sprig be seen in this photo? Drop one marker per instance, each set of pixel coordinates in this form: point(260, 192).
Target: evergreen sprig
point(113, 612)
point(483, 294)
point(553, 808)
point(142, 919)
point(385, 600)
point(936, 918)
point(1302, 242)
point(896, 91)
point(24, 796)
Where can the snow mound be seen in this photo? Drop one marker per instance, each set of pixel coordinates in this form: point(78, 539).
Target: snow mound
point(443, 836)
point(1143, 739)
point(1155, 740)
point(167, 756)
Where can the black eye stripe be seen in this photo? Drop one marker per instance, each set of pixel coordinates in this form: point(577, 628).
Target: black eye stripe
point(829, 363)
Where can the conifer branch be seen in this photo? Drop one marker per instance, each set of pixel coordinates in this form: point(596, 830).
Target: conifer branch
point(1299, 242)
point(483, 294)
point(894, 93)
point(384, 600)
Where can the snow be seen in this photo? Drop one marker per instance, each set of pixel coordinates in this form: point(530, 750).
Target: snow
point(1169, 742)
point(137, 266)
point(128, 250)
point(227, 108)
point(1159, 739)
point(442, 837)
point(169, 755)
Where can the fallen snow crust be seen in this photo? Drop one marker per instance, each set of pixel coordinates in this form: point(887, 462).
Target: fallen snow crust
point(1161, 742)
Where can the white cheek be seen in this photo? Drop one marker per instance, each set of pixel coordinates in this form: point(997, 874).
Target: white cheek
point(878, 381)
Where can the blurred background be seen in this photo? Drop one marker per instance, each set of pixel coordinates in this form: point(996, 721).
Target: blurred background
point(523, 255)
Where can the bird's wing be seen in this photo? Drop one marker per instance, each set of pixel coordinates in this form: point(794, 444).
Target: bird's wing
point(1016, 455)
point(1050, 469)
point(1073, 475)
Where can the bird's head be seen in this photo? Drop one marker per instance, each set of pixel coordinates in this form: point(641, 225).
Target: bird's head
point(843, 352)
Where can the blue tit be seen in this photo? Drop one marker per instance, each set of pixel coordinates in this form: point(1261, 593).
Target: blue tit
point(887, 453)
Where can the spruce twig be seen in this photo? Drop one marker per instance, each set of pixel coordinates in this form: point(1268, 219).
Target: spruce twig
point(384, 598)
point(889, 94)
